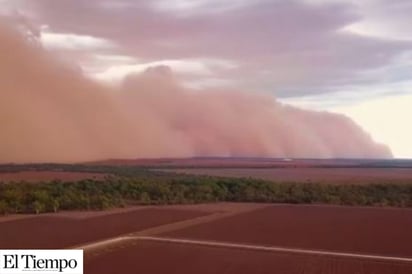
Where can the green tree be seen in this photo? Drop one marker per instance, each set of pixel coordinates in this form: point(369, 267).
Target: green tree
point(14, 197)
point(39, 207)
point(4, 207)
point(144, 198)
point(56, 205)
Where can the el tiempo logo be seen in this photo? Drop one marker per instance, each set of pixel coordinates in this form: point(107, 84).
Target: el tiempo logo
point(41, 261)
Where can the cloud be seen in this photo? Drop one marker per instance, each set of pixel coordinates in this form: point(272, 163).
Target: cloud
point(50, 112)
point(293, 48)
point(201, 68)
point(67, 41)
point(384, 19)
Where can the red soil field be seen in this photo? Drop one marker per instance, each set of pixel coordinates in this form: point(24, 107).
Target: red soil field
point(160, 258)
point(218, 162)
point(343, 229)
point(207, 162)
point(45, 176)
point(312, 174)
point(58, 232)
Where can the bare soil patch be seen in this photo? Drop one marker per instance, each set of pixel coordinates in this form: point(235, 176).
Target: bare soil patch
point(153, 258)
point(59, 232)
point(259, 162)
point(344, 229)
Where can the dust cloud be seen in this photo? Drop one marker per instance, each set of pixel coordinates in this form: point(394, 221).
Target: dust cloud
point(50, 112)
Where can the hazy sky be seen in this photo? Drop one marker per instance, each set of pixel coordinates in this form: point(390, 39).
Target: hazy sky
point(352, 57)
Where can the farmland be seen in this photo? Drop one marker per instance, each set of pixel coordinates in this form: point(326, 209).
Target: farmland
point(159, 258)
point(61, 231)
point(46, 176)
point(239, 162)
point(147, 216)
point(360, 230)
point(301, 228)
point(112, 186)
point(120, 241)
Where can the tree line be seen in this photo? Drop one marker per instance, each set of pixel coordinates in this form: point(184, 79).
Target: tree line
point(142, 187)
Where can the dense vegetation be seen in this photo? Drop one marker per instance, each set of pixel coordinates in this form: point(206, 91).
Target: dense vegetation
point(131, 185)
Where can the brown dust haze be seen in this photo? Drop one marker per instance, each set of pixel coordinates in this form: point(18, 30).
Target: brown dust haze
point(50, 112)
